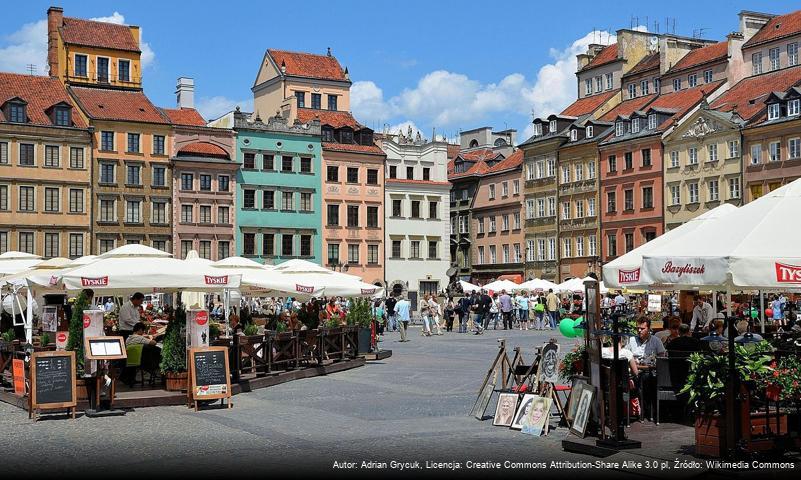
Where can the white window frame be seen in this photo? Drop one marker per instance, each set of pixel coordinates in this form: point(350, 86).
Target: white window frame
point(774, 111)
point(591, 170)
point(588, 86)
point(714, 190)
point(579, 246)
point(674, 159)
point(591, 207)
point(708, 76)
point(593, 245)
point(652, 121)
point(619, 129)
point(610, 82)
point(541, 251)
point(635, 125)
point(756, 63)
point(552, 126)
point(644, 87)
point(566, 248)
point(588, 131)
point(792, 54)
point(734, 148)
point(735, 191)
point(712, 152)
point(692, 80)
point(774, 58)
point(676, 84)
point(573, 134)
point(632, 89)
point(675, 195)
point(793, 148)
point(775, 151)
point(793, 107)
point(692, 156)
point(692, 192)
point(756, 154)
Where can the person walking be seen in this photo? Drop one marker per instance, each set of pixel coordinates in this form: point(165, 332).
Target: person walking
point(450, 313)
point(505, 302)
point(481, 307)
point(435, 312)
point(425, 315)
point(464, 311)
point(494, 312)
point(522, 308)
point(392, 318)
point(401, 309)
point(552, 304)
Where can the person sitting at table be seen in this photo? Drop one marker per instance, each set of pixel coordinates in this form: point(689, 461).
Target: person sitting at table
point(623, 353)
point(670, 333)
point(684, 344)
point(716, 346)
point(645, 345)
point(138, 336)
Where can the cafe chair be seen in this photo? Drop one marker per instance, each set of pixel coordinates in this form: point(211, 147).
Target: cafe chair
point(671, 375)
point(134, 360)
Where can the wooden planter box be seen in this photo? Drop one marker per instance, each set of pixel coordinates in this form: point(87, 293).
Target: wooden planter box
point(81, 393)
point(175, 381)
point(759, 435)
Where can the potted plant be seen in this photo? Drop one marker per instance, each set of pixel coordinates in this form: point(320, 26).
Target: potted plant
point(361, 315)
point(251, 329)
point(7, 340)
point(173, 353)
point(573, 362)
point(706, 390)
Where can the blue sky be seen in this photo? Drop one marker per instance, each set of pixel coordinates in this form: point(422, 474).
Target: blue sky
point(447, 65)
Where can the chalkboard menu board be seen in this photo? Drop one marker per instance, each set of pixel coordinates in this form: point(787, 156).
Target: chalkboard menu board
point(53, 380)
point(210, 374)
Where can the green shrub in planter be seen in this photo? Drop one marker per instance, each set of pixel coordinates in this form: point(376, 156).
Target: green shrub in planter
point(360, 313)
point(75, 340)
point(173, 351)
point(250, 329)
point(44, 340)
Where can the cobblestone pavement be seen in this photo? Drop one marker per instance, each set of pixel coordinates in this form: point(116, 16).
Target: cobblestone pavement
point(411, 407)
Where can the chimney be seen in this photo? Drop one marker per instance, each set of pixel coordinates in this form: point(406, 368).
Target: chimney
point(55, 17)
point(185, 92)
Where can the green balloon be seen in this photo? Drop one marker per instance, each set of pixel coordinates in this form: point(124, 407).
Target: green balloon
point(754, 313)
point(566, 327)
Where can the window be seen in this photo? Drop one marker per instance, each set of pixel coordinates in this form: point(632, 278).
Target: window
point(551, 249)
point(565, 210)
point(328, 134)
point(775, 151)
point(353, 175)
point(599, 83)
point(537, 129)
point(393, 171)
point(316, 101)
point(793, 107)
point(463, 227)
point(305, 165)
point(620, 129)
point(204, 249)
point(300, 97)
point(629, 240)
point(632, 90)
point(794, 148)
point(675, 195)
point(396, 208)
point(646, 157)
point(676, 84)
point(159, 214)
point(707, 76)
point(76, 245)
point(287, 201)
point(346, 136)
point(591, 207)
point(652, 121)
point(712, 152)
point(107, 141)
point(432, 250)
point(628, 199)
point(551, 207)
point(26, 154)
point(52, 199)
point(223, 215)
point(516, 217)
point(674, 159)
point(579, 208)
point(734, 148)
point(610, 202)
point(492, 191)
point(372, 217)
point(541, 249)
point(426, 173)
point(26, 199)
point(267, 199)
point(657, 85)
point(372, 176)
point(223, 250)
point(692, 80)
point(756, 191)
point(332, 102)
point(552, 126)
point(635, 125)
point(414, 249)
point(644, 87)
point(734, 188)
point(540, 207)
point(579, 246)
point(353, 253)
point(628, 159)
point(26, 242)
point(433, 209)
point(714, 195)
point(756, 153)
point(591, 170)
point(410, 173)
point(550, 167)
point(773, 55)
point(692, 191)
point(133, 211)
point(609, 82)
point(133, 143)
point(187, 181)
point(593, 245)
point(396, 249)
point(505, 253)
point(4, 153)
point(159, 177)
point(108, 210)
point(756, 63)
point(353, 215)
point(80, 66)
point(493, 254)
point(505, 223)
point(573, 134)
point(51, 245)
point(62, 116)
point(305, 246)
point(481, 255)
point(158, 144)
point(516, 187)
point(268, 244)
point(588, 86)
point(249, 197)
point(105, 245)
point(249, 160)
point(286, 244)
point(565, 174)
point(588, 131)
point(267, 161)
point(415, 208)
point(492, 224)
point(647, 197)
point(332, 173)
point(305, 202)
point(286, 163)
point(774, 111)
point(51, 156)
point(333, 254)
point(17, 113)
point(76, 200)
point(223, 183)
point(123, 70)
point(692, 156)
point(248, 243)
point(4, 197)
point(205, 214)
point(134, 175)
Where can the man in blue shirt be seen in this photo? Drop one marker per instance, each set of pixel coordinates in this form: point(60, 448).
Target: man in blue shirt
point(402, 310)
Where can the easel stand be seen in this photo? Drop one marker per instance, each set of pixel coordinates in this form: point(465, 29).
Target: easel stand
point(490, 380)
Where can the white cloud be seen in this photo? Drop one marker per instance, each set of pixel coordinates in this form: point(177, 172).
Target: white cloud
point(214, 107)
point(28, 46)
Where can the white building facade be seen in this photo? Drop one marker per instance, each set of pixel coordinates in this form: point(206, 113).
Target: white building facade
point(417, 194)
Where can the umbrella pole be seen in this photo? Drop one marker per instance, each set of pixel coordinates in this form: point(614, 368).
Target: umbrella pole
point(728, 302)
point(29, 319)
point(762, 310)
point(226, 297)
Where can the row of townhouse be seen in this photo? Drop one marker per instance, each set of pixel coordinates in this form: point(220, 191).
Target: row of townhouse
point(88, 163)
point(664, 129)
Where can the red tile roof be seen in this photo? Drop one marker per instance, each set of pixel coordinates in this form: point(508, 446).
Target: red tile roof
point(607, 55)
point(480, 167)
point(308, 64)
point(683, 100)
point(710, 54)
point(332, 118)
point(587, 105)
point(453, 151)
point(353, 147)
point(479, 155)
point(203, 149)
point(122, 105)
point(90, 33)
point(627, 107)
point(776, 28)
point(512, 161)
point(748, 95)
point(40, 93)
point(184, 116)
point(649, 62)
point(416, 182)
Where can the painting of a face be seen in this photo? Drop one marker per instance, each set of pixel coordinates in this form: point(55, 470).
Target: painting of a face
point(505, 412)
point(523, 410)
point(549, 365)
point(536, 419)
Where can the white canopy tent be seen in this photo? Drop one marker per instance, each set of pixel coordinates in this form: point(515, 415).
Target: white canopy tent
point(468, 287)
point(538, 285)
point(15, 262)
point(576, 285)
point(499, 285)
point(626, 271)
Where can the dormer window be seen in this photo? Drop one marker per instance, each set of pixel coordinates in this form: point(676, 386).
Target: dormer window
point(328, 134)
point(537, 129)
point(620, 129)
point(62, 116)
point(588, 131)
point(345, 136)
point(552, 127)
point(793, 107)
point(773, 111)
point(632, 90)
point(573, 135)
point(635, 125)
point(16, 112)
point(652, 121)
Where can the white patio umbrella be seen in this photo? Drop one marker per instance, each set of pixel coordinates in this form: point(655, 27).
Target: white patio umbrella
point(626, 270)
point(15, 262)
point(499, 285)
point(303, 279)
point(194, 299)
point(576, 285)
point(538, 285)
point(140, 268)
point(469, 287)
